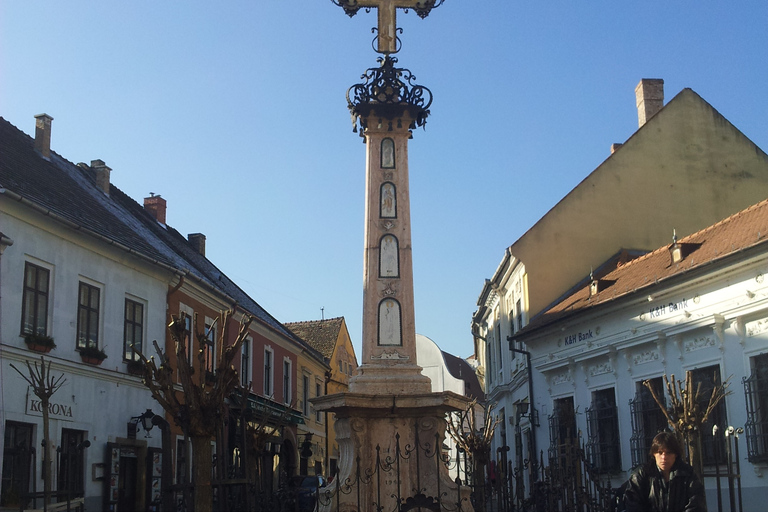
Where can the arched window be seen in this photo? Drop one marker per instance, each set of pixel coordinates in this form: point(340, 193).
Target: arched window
point(387, 153)
point(389, 257)
point(388, 201)
point(390, 332)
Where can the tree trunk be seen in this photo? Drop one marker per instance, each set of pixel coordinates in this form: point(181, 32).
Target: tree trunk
point(479, 481)
point(201, 477)
point(693, 441)
point(46, 453)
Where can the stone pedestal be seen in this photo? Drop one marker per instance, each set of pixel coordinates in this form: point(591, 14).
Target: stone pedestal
point(391, 449)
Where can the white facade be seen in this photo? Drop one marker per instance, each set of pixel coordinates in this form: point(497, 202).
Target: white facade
point(97, 401)
point(713, 321)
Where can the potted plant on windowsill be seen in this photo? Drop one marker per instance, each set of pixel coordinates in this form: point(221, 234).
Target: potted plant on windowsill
point(135, 367)
point(92, 355)
point(39, 342)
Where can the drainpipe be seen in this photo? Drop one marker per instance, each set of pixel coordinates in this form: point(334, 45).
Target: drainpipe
point(4, 242)
point(535, 458)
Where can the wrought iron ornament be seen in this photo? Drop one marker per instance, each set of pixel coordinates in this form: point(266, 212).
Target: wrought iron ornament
point(422, 7)
point(388, 93)
point(386, 41)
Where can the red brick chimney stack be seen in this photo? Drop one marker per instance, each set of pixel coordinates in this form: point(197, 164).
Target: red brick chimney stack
point(156, 205)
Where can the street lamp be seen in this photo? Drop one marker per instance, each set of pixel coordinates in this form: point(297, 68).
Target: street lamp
point(146, 423)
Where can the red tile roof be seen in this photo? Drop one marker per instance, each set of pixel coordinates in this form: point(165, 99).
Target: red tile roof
point(744, 230)
point(320, 334)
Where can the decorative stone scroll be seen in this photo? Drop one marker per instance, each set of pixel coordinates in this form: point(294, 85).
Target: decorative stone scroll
point(391, 356)
point(699, 343)
point(649, 356)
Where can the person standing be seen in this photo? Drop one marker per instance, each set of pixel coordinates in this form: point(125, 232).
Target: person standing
point(666, 483)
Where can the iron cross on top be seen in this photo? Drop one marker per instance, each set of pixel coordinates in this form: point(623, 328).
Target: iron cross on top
point(387, 14)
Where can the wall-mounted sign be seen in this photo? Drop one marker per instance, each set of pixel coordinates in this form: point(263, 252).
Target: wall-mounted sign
point(56, 410)
point(577, 337)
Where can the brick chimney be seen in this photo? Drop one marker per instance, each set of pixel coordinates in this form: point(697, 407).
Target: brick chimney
point(649, 94)
point(197, 240)
point(43, 134)
point(155, 205)
point(102, 175)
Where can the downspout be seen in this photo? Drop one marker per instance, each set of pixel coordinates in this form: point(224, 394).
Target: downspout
point(328, 375)
point(4, 242)
point(534, 459)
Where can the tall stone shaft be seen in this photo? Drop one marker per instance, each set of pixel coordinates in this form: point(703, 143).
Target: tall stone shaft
point(390, 410)
point(387, 109)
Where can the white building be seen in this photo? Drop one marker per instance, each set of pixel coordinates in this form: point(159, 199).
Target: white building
point(74, 269)
point(684, 169)
point(699, 304)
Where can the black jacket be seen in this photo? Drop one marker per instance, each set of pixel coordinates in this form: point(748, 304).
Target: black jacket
point(645, 490)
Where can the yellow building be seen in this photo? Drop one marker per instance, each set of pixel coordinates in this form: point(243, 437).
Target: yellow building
point(330, 338)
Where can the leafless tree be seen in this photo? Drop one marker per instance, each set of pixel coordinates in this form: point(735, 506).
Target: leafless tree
point(685, 414)
point(474, 437)
point(44, 386)
point(195, 401)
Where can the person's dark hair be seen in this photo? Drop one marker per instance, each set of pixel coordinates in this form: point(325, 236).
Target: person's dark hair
point(666, 441)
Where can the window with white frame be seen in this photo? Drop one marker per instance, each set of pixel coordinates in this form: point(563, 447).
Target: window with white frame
point(497, 332)
point(186, 314)
point(245, 362)
point(269, 358)
point(88, 309)
point(35, 297)
point(305, 395)
point(133, 329)
point(210, 345)
point(318, 392)
point(287, 375)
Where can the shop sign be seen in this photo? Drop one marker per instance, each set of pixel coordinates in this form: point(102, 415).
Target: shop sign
point(56, 410)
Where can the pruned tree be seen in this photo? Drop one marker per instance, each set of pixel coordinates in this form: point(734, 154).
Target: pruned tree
point(474, 437)
point(196, 403)
point(44, 386)
point(685, 414)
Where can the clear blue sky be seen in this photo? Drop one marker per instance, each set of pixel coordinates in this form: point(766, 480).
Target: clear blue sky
point(234, 111)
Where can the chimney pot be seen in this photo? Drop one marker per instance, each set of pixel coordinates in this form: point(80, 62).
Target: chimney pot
point(102, 175)
point(197, 240)
point(43, 134)
point(649, 94)
point(156, 206)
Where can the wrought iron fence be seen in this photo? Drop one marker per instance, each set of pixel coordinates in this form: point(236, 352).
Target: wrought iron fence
point(566, 482)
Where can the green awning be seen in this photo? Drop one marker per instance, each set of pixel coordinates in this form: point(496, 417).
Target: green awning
point(273, 412)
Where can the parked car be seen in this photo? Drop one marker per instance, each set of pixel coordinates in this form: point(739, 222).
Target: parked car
point(306, 487)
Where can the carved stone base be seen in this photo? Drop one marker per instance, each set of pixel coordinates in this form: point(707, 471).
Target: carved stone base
point(383, 431)
point(389, 379)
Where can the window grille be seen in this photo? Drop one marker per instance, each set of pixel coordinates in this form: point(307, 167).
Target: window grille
point(603, 432)
point(562, 427)
point(756, 394)
point(713, 449)
point(647, 421)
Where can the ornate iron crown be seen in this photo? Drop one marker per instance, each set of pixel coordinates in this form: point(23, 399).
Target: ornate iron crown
point(388, 93)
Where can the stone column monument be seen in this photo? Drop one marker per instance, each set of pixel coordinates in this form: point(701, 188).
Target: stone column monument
point(390, 426)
